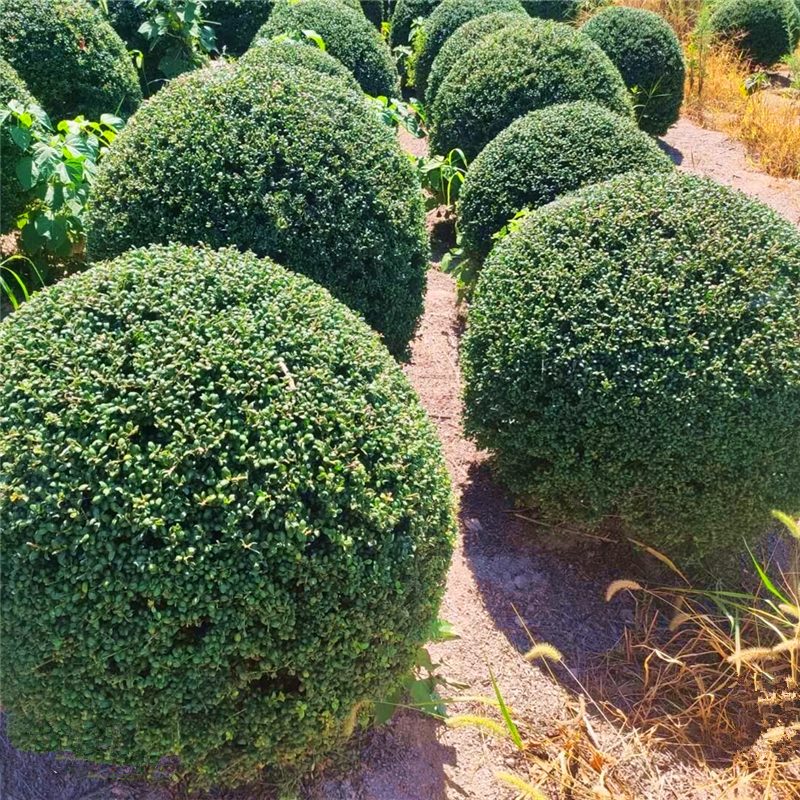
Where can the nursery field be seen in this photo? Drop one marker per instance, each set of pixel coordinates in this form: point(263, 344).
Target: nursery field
point(401, 400)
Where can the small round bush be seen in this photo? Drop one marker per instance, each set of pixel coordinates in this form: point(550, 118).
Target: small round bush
point(348, 36)
point(633, 358)
point(559, 10)
point(13, 198)
point(544, 155)
point(646, 51)
point(517, 70)
point(279, 160)
point(291, 53)
point(462, 40)
point(224, 507)
point(70, 58)
point(442, 23)
point(405, 12)
point(764, 30)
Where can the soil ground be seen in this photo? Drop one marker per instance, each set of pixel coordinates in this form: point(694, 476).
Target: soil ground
point(508, 575)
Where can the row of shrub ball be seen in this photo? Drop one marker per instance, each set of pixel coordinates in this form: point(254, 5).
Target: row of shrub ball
point(221, 501)
point(631, 355)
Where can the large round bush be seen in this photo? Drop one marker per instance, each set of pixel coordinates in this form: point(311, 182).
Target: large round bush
point(224, 508)
point(69, 56)
point(442, 23)
point(405, 12)
point(279, 160)
point(348, 36)
point(462, 40)
point(517, 70)
point(544, 155)
point(646, 51)
point(633, 358)
point(764, 30)
point(373, 11)
point(13, 198)
point(289, 52)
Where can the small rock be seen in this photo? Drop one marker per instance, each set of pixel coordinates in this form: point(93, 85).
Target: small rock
point(522, 582)
point(628, 617)
point(474, 525)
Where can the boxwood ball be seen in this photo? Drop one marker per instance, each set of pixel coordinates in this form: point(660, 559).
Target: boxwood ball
point(280, 160)
point(633, 356)
point(646, 51)
point(546, 154)
point(223, 513)
point(70, 58)
point(517, 70)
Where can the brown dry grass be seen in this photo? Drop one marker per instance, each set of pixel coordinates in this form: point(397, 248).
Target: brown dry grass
point(719, 683)
point(766, 122)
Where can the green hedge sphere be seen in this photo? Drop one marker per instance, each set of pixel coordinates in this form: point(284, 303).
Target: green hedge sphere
point(70, 58)
point(765, 30)
point(633, 356)
point(462, 40)
point(544, 155)
point(517, 70)
point(440, 26)
point(646, 51)
point(276, 159)
point(348, 36)
point(223, 506)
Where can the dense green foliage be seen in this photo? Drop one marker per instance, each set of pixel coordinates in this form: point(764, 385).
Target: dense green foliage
point(373, 11)
point(646, 51)
point(544, 155)
point(633, 353)
point(236, 23)
point(13, 198)
point(765, 30)
point(294, 54)
point(348, 36)
point(460, 42)
point(239, 21)
point(405, 12)
point(69, 56)
point(223, 508)
point(278, 160)
point(517, 70)
point(442, 23)
point(559, 10)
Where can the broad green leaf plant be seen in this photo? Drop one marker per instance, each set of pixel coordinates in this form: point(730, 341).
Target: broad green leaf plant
point(57, 166)
point(188, 35)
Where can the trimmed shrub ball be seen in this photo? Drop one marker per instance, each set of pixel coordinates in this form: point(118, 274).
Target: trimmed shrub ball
point(405, 12)
point(348, 36)
point(517, 70)
point(224, 507)
point(279, 160)
point(462, 40)
point(558, 10)
point(764, 30)
point(646, 51)
point(442, 23)
point(291, 53)
point(633, 355)
point(544, 155)
point(70, 58)
point(13, 198)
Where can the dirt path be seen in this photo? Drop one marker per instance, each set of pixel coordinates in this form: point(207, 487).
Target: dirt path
point(713, 154)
